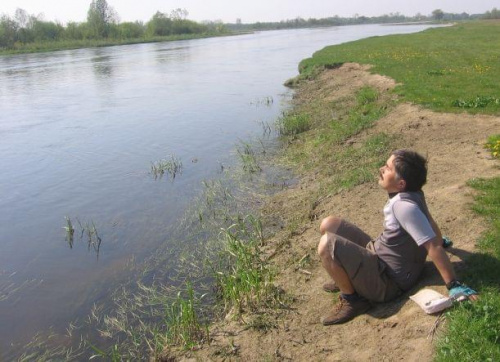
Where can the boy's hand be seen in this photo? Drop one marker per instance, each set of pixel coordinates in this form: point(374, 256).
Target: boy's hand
point(460, 292)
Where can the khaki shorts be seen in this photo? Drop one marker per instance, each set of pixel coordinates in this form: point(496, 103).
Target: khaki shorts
point(352, 248)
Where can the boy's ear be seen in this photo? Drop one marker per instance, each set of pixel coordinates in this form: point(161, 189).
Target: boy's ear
point(401, 185)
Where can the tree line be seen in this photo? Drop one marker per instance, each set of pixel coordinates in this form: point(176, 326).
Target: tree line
point(102, 23)
point(437, 15)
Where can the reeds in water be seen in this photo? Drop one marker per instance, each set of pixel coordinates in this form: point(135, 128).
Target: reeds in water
point(89, 229)
point(171, 166)
point(248, 158)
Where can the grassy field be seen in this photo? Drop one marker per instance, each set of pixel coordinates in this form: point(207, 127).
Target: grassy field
point(445, 69)
point(453, 69)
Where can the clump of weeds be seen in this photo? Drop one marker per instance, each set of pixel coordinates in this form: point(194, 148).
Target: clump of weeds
point(248, 158)
point(291, 124)
point(243, 276)
point(88, 229)
point(493, 145)
point(171, 166)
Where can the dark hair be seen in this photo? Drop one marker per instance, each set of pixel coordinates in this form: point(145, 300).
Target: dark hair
point(411, 167)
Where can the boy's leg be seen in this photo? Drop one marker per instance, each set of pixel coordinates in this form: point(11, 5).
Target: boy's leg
point(332, 267)
point(351, 304)
point(344, 228)
point(347, 230)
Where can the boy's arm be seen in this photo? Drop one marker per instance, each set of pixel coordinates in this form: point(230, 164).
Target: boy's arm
point(440, 259)
point(435, 227)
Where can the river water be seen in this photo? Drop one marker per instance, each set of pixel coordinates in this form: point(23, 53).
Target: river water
point(79, 130)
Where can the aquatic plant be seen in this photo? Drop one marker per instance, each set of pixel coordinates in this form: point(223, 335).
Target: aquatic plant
point(266, 128)
point(266, 101)
point(70, 231)
point(183, 325)
point(248, 158)
point(171, 165)
point(242, 274)
point(89, 229)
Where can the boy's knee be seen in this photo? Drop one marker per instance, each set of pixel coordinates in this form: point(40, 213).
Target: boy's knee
point(324, 245)
point(329, 223)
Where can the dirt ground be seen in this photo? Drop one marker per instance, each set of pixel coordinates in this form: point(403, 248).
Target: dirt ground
point(398, 330)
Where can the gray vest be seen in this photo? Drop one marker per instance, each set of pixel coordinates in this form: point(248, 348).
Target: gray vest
point(403, 258)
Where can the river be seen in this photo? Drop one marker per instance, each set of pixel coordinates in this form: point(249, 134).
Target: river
point(79, 130)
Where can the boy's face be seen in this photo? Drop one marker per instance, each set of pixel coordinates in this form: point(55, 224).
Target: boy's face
point(388, 179)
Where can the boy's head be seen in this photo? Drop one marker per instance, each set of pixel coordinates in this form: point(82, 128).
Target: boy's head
point(410, 167)
point(405, 170)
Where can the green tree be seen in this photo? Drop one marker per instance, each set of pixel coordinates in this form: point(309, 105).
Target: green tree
point(75, 31)
point(493, 14)
point(47, 30)
point(131, 30)
point(8, 32)
point(100, 17)
point(159, 25)
point(438, 14)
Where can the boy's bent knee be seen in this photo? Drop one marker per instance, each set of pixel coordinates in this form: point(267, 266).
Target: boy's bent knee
point(329, 223)
point(324, 245)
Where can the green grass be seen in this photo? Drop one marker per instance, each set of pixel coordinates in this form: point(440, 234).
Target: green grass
point(149, 319)
point(357, 165)
point(473, 329)
point(244, 279)
point(493, 145)
point(449, 69)
point(183, 325)
point(291, 124)
point(333, 124)
point(363, 115)
point(248, 158)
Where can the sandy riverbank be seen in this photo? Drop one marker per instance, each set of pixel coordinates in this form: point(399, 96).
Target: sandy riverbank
point(393, 331)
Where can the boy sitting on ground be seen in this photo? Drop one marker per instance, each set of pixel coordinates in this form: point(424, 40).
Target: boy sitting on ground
point(379, 270)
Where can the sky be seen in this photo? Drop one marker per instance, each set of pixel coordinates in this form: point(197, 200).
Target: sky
point(249, 11)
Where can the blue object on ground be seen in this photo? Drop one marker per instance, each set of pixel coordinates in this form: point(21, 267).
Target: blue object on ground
point(461, 292)
point(447, 242)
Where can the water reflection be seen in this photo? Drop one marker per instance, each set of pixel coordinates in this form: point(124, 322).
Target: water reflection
point(102, 64)
point(170, 54)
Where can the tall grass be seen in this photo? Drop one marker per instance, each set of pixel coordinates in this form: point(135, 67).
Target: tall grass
point(183, 325)
point(248, 158)
point(291, 124)
point(149, 320)
point(243, 276)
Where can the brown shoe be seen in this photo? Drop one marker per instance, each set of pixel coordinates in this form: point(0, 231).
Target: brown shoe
point(344, 311)
point(330, 287)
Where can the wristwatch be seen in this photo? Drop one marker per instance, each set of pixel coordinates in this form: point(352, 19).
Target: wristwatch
point(454, 283)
